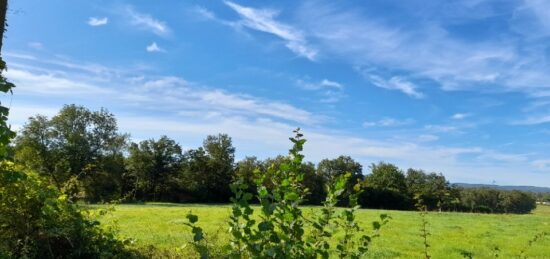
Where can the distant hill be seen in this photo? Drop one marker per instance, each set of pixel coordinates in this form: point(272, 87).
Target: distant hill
point(506, 187)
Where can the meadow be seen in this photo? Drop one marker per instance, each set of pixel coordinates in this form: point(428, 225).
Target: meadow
point(452, 235)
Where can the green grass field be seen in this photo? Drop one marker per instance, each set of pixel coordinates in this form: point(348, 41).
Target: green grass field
point(452, 234)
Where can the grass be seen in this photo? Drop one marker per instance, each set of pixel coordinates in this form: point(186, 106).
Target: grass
point(452, 235)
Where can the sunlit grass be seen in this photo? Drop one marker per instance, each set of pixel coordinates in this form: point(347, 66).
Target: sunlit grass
point(452, 234)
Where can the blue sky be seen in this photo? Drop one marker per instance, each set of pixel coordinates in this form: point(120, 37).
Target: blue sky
point(457, 87)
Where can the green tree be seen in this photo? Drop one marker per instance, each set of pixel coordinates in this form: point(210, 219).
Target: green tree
point(330, 169)
point(245, 172)
point(208, 170)
point(386, 188)
point(430, 190)
point(76, 143)
point(153, 167)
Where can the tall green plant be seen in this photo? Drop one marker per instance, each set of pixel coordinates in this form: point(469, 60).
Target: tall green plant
point(6, 134)
point(278, 230)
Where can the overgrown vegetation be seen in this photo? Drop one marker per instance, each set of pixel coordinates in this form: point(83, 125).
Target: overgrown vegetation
point(280, 231)
point(37, 221)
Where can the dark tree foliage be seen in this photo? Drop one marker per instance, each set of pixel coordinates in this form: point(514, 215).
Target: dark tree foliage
point(208, 170)
point(152, 169)
point(386, 188)
point(430, 190)
point(486, 200)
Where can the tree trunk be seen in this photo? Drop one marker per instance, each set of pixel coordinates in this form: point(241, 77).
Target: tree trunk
point(3, 11)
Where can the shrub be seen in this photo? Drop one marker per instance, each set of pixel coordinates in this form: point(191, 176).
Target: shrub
point(37, 221)
point(278, 231)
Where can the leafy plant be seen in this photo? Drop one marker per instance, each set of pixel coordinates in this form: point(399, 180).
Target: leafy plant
point(6, 134)
point(424, 233)
point(279, 229)
point(37, 221)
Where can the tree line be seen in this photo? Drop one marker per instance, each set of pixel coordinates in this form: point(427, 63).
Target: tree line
point(83, 154)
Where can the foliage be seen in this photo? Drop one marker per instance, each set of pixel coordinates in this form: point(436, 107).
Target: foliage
point(280, 229)
point(37, 221)
point(153, 167)
point(386, 188)
point(6, 134)
point(81, 152)
point(328, 169)
point(497, 201)
point(431, 190)
point(208, 170)
point(75, 143)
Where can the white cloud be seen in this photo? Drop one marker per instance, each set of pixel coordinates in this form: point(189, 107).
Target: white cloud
point(36, 45)
point(51, 83)
point(147, 22)
point(460, 116)
point(428, 138)
point(323, 84)
point(442, 128)
point(388, 122)
point(148, 106)
point(153, 47)
point(396, 83)
point(169, 93)
point(429, 51)
point(95, 21)
point(205, 13)
point(264, 20)
point(533, 120)
point(541, 164)
point(330, 91)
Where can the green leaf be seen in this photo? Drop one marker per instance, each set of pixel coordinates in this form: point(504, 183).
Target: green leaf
point(291, 196)
point(192, 218)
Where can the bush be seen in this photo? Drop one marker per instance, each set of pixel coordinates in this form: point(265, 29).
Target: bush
point(278, 231)
point(37, 221)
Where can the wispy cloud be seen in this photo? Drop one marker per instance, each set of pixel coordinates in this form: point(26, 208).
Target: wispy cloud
point(36, 45)
point(205, 13)
point(323, 84)
point(533, 120)
point(167, 92)
point(428, 50)
point(96, 21)
point(52, 83)
point(264, 20)
point(388, 122)
point(442, 128)
point(541, 164)
point(330, 91)
point(504, 157)
point(460, 116)
point(146, 22)
point(153, 47)
point(396, 83)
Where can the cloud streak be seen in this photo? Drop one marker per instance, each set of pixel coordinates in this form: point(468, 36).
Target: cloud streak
point(95, 21)
point(396, 83)
point(146, 22)
point(264, 20)
point(387, 122)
